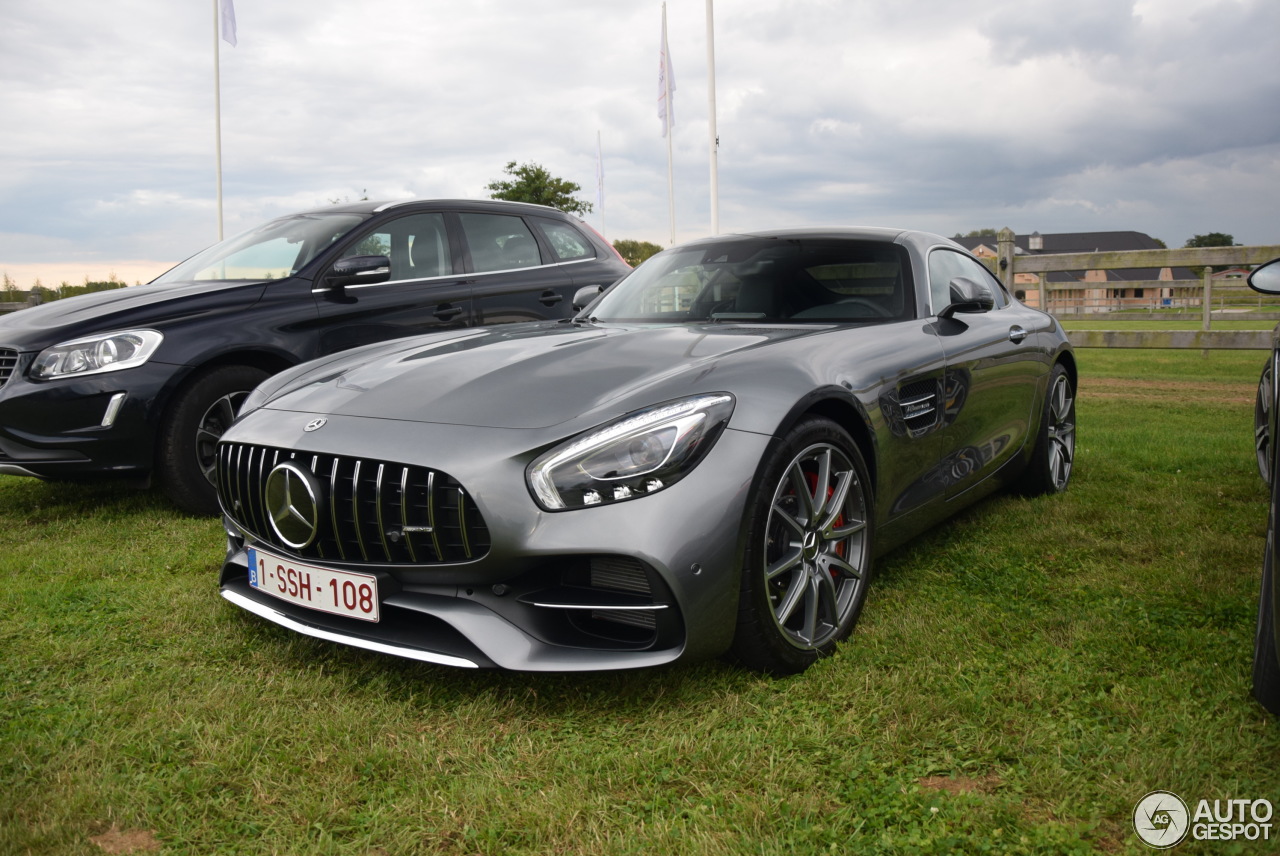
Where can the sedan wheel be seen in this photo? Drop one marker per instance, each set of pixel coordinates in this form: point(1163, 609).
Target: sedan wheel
point(189, 438)
point(1262, 424)
point(808, 561)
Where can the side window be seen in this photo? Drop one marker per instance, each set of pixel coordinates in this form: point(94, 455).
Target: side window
point(567, 242)
point(417, 245)
point(946, 265)
point(499, 242)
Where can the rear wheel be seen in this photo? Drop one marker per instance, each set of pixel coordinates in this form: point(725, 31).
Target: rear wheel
point(808, 557)
point(1262, 423)
point(199, 415)
point(1049, 470)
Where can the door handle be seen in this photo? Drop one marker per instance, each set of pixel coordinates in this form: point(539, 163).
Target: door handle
point(550, 298)
point(446, 311)
point(1017, 334)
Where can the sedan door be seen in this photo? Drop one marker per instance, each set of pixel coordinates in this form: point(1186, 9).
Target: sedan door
point(425, 292)
point(514, 276)
point(994, 366)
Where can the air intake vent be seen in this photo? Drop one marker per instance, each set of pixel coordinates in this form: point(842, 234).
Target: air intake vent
point(8, 361)
point(368, 511)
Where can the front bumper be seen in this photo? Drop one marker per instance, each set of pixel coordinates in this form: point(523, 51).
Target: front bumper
point(96, 425)
point(544, 596)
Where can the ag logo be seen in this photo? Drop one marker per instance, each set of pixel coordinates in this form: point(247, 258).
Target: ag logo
point(1161, 819)
point(316, 424)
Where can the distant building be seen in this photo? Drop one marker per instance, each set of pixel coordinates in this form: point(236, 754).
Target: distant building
point(1136, 288)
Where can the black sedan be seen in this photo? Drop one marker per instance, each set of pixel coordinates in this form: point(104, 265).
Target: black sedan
point(706, 459)
point(1266, 645)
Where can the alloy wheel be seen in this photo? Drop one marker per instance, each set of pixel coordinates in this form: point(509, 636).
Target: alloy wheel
point(816, 549)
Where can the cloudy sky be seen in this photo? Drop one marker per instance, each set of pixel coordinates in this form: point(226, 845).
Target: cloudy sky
point(1161, 116)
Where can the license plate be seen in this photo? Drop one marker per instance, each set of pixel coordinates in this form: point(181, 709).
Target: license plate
point(324, 589)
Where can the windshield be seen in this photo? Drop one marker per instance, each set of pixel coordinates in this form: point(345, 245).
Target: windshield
point(271, 251)
point(766, 280)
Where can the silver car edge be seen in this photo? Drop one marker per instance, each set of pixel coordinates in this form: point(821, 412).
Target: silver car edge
point(706, 460)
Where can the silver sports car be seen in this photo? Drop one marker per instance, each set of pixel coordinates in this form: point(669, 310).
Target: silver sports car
point(705, 460)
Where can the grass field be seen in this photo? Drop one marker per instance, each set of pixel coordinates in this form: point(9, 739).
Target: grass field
point(1020, 679)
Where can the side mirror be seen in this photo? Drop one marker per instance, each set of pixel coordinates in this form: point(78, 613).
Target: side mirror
point(583, 296)
point(968, 295)
point(1266, 278)
point(358, 270)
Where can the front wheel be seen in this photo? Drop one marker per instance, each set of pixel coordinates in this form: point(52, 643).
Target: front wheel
point(189, 436)
point(1266, 664)
point(808, 556)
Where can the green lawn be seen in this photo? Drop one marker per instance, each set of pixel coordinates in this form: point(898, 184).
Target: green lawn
point(1109, 323)
point(1020, 678)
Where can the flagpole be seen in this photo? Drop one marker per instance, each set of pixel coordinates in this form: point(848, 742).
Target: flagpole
point(670, 125)
point(604, 230)
point(217, 111)
point(714, 136)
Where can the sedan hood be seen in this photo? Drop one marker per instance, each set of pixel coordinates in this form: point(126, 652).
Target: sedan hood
point(38, 327)
point(522, 376)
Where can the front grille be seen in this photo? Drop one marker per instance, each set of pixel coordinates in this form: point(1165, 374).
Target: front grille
point(370, 512)
point(8, 360)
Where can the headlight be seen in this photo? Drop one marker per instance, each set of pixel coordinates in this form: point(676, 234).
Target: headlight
point(640, 454)
point(106, 352)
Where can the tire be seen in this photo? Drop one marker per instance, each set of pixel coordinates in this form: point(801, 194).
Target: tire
point(1049, 470)
point(198, 416)
point(807, 562)
point(1262, 424)
point(1266, 665)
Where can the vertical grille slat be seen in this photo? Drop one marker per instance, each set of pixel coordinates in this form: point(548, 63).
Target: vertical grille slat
point(373, 512)
point(404, 514)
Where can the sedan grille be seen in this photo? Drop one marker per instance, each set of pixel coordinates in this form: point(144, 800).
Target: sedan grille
point(366, 511)
point(8, 360)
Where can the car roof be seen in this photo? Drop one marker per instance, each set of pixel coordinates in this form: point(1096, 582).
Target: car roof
point(864, 233)
point(372, 206)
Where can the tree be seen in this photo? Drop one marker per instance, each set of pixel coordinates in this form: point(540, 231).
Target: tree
point(635, 251)
point(1213, 239)
point(979, 233)
point(531, 182)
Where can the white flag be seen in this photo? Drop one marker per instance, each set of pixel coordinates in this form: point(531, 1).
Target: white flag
point(666, 81)
point(228, 16)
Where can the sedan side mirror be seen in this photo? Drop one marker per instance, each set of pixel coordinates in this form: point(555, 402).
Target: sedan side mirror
point(583, 296)
point(1266, 278)
point(358, 270)
point(968, 295)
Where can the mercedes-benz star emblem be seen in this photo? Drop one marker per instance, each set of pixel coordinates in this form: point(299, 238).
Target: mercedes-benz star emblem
point(293, 504)
point(316, 424)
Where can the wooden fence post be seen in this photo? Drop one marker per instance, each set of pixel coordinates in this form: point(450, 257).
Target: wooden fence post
point(1208, 295)
point(1004, 259)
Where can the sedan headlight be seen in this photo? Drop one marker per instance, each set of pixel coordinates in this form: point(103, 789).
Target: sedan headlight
point(105, 352)
point(639, 454)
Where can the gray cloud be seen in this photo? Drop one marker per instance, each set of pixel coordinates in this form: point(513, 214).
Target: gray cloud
point(1037, 114)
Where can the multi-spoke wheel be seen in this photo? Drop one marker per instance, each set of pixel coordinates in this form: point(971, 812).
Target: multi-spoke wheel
point(808, 558)
point(1049, 470)
point(1266, 662)
point(199, 415)
point(1262, 423)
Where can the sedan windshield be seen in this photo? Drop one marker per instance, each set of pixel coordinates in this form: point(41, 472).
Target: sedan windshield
point(271, 251)
point(766, 280)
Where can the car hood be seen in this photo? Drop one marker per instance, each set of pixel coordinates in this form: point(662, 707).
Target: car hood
point(522, 376)
point(134, 306)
